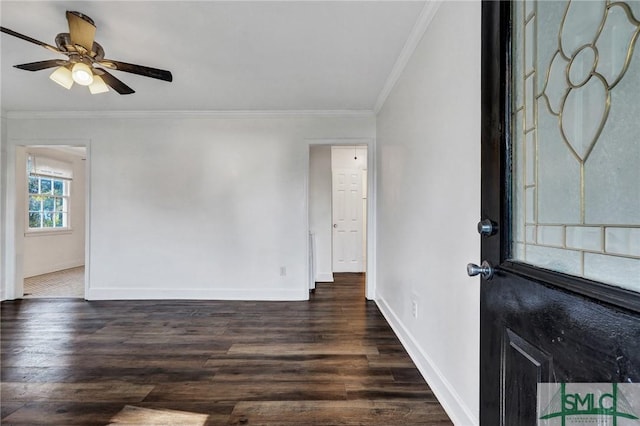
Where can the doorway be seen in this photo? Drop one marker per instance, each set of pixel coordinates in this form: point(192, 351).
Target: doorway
point(50, 195)
point(340, 205)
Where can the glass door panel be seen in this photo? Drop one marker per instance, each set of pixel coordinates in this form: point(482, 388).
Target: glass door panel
point(576, 138)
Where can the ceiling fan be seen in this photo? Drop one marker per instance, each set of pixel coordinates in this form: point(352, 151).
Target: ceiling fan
point(86, 62)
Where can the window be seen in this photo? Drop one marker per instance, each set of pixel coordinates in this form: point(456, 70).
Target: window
point(48, 203)
point(48, 192)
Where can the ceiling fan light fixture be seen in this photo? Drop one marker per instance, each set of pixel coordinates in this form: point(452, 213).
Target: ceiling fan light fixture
point(83, 52)
point(62, 76)
point(98, 86)
point(82, 74)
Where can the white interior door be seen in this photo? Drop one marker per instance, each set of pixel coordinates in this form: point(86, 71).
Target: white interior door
point(347, 220)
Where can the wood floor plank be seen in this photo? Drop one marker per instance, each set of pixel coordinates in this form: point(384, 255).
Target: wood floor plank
point(374, 390)
point(343, 362)
point(147, 375)
point(94, 392)
point(330, 413)
point(64, 413)
point(288, 373)
point(332, 360)
point(28, 359)
point(390, 360)
point(154, 416)
point(234, 391)
point(304, 349)
point(9, 408)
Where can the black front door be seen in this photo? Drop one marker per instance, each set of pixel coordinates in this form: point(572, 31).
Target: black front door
point(561, 205)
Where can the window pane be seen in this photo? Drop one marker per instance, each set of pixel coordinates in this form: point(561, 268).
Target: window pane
point(49, 204)
point(33, 185)
point(47, 220)
point(34, 220)
point(35, 204)
point(59, 219)
point(59, 204)
point(58, 187)
point(45, 186)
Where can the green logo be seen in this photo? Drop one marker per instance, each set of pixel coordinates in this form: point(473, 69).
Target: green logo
point(590, 402)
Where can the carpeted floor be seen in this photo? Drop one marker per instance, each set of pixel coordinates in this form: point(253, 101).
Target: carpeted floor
point(66, 283)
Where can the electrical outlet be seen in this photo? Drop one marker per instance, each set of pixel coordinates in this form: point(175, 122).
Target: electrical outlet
point(283, 271)
point(414, 309)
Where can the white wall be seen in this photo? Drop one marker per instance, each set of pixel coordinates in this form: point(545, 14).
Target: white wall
point(346, 157)
point(196, 205)
point(48, 252)
point(428, 204)
point(3, 193)
point(320, 209)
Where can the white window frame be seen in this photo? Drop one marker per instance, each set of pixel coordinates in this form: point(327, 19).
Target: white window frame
point(66, 202)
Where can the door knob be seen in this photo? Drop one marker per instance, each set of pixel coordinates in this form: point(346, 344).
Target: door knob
point(485, 270)
point(487, 227)
point(335, 225)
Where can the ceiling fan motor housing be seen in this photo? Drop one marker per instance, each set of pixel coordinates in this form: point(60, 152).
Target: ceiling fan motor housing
point(63, 41)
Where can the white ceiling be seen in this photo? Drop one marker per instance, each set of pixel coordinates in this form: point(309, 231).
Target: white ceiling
point(224, 56)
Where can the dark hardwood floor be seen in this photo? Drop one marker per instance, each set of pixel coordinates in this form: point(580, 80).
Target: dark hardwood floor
point(330, 361)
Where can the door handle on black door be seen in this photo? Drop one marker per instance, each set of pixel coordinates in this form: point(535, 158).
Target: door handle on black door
point(485, 270)
point(487, 227)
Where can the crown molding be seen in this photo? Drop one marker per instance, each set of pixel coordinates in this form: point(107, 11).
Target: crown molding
point(52, 115)
point(417, 32)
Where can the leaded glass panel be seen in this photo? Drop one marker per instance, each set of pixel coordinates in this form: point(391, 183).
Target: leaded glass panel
point(576, 143)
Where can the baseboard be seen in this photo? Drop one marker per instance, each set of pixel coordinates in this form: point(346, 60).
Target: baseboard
point(457, 410)
point(196, 294)
point(54, 268)
point(324, 277)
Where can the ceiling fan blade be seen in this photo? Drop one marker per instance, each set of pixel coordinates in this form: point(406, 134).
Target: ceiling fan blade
point(113, 82)
point(29, 39)
point(137, 69)
point(41, 65)
point(81, 29)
